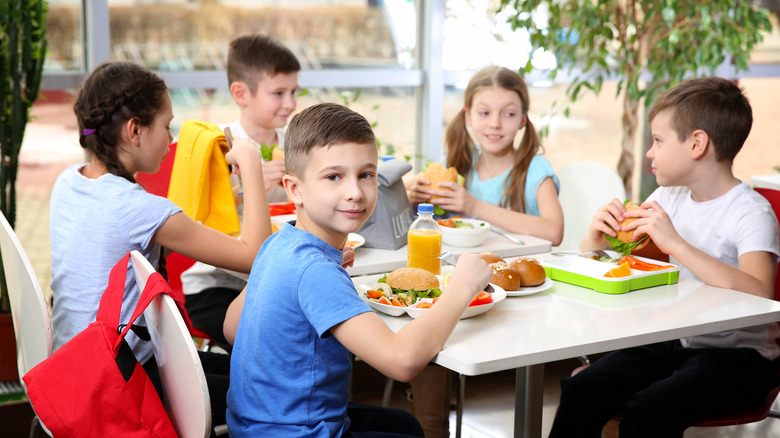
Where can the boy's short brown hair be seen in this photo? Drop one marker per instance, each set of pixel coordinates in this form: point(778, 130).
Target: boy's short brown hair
point(252, 56)
point(322, 125)
point(715, 105)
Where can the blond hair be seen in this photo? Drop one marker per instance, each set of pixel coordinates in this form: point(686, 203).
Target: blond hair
point(461, 150)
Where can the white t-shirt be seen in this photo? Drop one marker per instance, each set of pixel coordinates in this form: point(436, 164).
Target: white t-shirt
point(739, 222)
point(93, 224)
point(201, 276)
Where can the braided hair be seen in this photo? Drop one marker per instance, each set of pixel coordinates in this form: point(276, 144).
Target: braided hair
point(114, 93)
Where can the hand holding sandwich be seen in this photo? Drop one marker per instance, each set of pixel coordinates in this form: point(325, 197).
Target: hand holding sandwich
point(629, 223)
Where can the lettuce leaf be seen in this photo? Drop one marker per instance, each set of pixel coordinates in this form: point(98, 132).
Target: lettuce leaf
point(622, 247)
point(267, 151)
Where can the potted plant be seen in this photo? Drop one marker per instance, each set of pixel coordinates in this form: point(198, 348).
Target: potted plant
point(22, 52)
point(646, 45)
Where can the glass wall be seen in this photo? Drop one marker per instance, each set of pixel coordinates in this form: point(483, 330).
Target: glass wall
point(368, 45)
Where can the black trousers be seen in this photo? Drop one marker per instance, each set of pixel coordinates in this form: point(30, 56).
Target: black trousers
point(217, 369)
point(207, 311)
point(662, 389)
point(368, 421)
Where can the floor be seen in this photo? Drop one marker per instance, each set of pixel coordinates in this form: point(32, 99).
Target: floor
point(488, 408)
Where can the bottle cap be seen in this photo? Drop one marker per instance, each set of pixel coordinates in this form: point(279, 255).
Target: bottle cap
point(425, 209)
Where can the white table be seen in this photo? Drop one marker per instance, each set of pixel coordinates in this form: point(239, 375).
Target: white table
point(768, 181)
point(372, 260)
point(568, 321)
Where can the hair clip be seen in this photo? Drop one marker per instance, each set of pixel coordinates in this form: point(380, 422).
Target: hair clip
point(88, 131)
point(464, 109)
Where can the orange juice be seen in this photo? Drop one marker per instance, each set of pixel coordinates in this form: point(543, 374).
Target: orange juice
point(424, 248)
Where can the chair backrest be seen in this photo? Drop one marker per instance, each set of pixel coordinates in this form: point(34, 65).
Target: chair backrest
point(773, 196)
point(157, 184)
point(32, 323)
point(585, 186)
point(184, 382)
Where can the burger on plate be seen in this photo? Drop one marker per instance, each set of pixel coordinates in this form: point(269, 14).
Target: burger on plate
point(624, 241)
point(408, 284)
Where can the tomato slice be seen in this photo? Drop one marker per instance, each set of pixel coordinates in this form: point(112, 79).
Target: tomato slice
point(449, 223)
point(482, 298)
point(397, 303)
point(424, 305)
point(375, 294)
point(384, 300)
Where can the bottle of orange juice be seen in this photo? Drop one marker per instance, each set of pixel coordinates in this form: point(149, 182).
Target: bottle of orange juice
point(424, 239)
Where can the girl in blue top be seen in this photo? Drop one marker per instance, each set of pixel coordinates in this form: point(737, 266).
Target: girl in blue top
point(512, 187)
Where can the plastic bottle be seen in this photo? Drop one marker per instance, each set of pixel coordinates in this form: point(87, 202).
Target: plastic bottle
point(424, 241)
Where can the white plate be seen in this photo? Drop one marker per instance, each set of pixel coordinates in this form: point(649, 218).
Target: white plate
point(384, 308)
point(498, 295)
point(530, 290)
point(355, 237)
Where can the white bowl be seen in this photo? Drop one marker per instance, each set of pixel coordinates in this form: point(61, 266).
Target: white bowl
point(466, 237)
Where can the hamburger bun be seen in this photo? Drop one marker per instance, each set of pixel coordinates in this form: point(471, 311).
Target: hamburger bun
point(505, 276)
point(628, 236)
point(277, 154)
point(411, 278)
point(491, 257)
point(530, 270)
point(436, 173)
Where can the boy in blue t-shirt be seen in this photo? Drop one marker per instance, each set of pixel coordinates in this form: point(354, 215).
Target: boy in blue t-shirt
point(302, 317)
point(718, 230)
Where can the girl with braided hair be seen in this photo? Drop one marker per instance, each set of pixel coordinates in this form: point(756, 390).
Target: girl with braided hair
point(99, 213)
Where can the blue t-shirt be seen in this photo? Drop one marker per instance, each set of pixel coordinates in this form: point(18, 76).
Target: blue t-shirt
point(93, 224)
point(289, 375)
point(491, 190)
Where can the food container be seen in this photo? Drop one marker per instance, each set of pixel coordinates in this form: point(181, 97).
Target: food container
point(586, 272)
point(466, 237)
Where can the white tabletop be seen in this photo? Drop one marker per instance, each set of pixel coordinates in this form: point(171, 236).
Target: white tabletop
point(372, 260)
point(568, 321)
point(771, 181)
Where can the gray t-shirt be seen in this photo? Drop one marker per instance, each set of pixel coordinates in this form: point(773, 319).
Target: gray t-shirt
point(94, 223)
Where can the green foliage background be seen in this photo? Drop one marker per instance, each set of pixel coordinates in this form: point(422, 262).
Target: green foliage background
point(645, 45)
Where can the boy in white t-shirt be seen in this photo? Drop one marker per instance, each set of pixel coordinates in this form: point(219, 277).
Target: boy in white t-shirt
point(263, 77)
point(718, 230)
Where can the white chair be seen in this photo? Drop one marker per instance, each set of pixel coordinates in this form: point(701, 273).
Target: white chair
point(32, 324)
point(184, 382)
point(585, 186)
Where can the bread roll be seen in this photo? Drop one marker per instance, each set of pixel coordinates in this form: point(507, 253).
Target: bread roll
point(412, 278)
point(277, 154)
point(628, 236)
point(491, 257)
point(505, 276)
point(530, 270)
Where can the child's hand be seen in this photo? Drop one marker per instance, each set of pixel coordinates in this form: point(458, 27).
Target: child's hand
point(606, 221)
point(243, 153)
point(349, 257)
point(417, 189)
point(455, 198)
point(656, 223)
point(273, 171)
point(472, 273)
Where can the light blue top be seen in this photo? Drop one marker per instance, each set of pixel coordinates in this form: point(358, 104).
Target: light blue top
point(492, 189)
point(94, 223)
point(290, 375)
